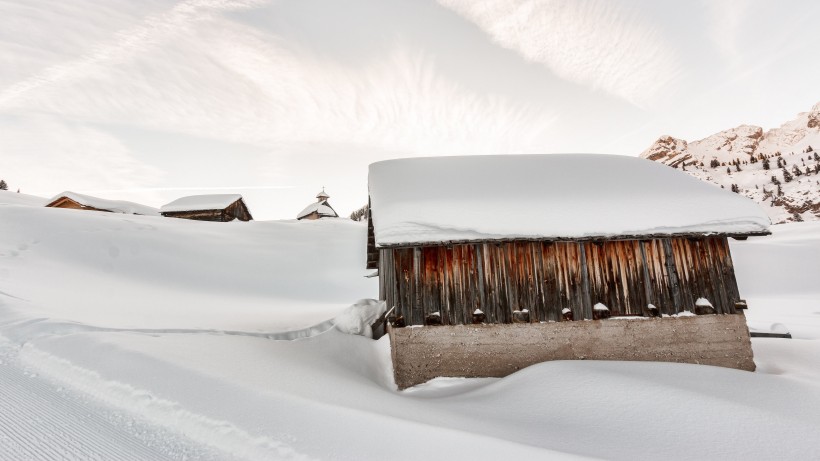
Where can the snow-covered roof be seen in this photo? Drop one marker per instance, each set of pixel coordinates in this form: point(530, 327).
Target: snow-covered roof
point(201, 202)
point(116, 206)
point(560, 196)
point(322, 208)
point(322, 194)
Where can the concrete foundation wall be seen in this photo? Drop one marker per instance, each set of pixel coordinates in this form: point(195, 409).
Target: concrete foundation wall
point(424, 353)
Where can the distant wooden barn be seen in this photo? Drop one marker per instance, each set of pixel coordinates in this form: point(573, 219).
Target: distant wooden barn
point(533, 239)
point(318, 209)
point(215, 207)
point(75, 201)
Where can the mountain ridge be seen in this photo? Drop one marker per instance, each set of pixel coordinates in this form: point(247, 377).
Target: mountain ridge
point(779, 168)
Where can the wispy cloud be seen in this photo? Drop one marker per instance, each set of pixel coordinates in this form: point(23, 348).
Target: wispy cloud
point(39, 152)
point(590, 42)
point(183, 189)
point(151, 31)
point(224, 80)
point(725, 24)
point(195, 71)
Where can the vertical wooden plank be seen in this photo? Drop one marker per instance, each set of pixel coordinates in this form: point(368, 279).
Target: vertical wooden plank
point(479, 260)
point(447, 315)
point(538, 313)
point(648, 287)
point(582, 279)
point(728, 271)
point(672, 276)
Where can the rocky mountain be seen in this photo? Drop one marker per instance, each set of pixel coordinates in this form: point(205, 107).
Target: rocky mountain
point(778, 168)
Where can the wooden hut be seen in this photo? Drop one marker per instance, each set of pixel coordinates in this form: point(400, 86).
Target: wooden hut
point(544, 239)
point(216, 207)
point(318, 209)
point(75, 201)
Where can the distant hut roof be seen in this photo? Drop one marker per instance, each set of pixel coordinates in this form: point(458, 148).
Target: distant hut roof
point(322, 208)
point(114, 206)
point(561, 196)
point(322, 195)
point(201, 202)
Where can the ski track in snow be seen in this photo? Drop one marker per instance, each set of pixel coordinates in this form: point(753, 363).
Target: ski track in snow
point(42, 327)
point(41, 421)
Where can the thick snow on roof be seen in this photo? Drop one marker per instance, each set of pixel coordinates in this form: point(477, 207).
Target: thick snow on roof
point(547, 196)
point(116, 206)
point(321, 207)
point(201, 202)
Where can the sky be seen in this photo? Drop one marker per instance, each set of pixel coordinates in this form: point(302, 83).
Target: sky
point(152, 100)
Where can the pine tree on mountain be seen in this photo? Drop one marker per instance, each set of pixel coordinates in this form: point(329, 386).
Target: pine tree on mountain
point(808, 172)
point(779, 191)
point(796, 171)
point(735, 189)
point(728, 170)
point(787, 176)
point(816, 157)
point(3, 185)
point(737, 165)
point(766, 165)
point(714, 163)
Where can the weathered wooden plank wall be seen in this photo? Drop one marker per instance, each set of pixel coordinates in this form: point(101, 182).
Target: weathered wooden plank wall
point(546, 277)
point(372, 251)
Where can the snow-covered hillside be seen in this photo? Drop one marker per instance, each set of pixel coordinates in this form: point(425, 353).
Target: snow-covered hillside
point(8, 197)
point(139, 337)
point(778, 168)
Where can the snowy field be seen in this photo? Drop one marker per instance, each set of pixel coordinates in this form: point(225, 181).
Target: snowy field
point(137, 337)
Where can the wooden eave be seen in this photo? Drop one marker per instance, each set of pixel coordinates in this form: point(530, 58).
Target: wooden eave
point(62, 200)
point(239, 202)
point(689, 235)
point(216, 210)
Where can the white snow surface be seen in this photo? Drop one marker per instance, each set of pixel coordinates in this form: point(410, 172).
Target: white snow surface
point(703, 302)
point(13, 198)
point(115, 206)
point(135, 337)
point(358, 318)
point(473, 198)
point(201, 202)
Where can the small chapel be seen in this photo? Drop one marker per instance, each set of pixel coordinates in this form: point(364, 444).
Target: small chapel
point(318, 209)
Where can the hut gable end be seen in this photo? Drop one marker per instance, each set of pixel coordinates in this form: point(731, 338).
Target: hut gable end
point(219, 207)
point(75, 201)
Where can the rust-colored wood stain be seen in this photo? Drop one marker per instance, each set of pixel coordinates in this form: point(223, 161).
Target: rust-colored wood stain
point(546, 277)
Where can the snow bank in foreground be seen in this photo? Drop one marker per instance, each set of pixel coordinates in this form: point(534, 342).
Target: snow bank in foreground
point(179, 325)
point(357, 319)
point(128, 271)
